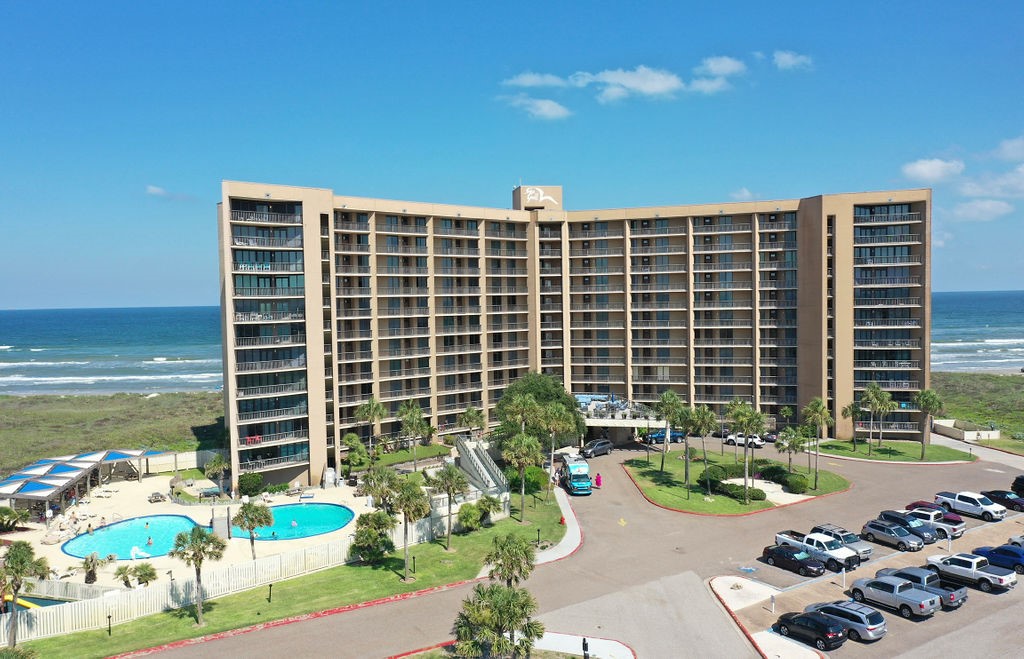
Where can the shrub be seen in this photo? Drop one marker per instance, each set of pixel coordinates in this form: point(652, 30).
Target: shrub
point(250, 484)
point(715, 473)
point(535, 479)
point(277, 488)
point(775, 473)
point(372, 540)
point(796, 484)
point(732, 470)
point(757, 494)
point(734, 491)
point(693, 454)
point(469, 517)
point(762, 462)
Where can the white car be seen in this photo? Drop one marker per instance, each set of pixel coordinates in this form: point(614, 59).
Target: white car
point(739, 439)
point(1017, 540)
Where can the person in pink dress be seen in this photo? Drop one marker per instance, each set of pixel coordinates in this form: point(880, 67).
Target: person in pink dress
point(597, 480)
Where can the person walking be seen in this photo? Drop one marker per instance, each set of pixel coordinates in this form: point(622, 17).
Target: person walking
point(597, 480)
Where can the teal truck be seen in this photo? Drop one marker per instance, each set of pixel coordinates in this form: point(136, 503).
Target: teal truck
point(576, 475)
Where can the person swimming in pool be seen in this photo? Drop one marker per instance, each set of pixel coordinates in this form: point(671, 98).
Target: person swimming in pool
point(149, 541)
point(294, 524)
point(273, 536)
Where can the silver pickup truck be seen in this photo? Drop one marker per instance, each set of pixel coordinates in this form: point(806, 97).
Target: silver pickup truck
point(895, 593)
point(829, 551)
point(972, 570)
point(937, 520)
point(928, 581)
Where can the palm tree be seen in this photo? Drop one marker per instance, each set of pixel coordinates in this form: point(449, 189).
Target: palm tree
point(520, 452)
point(816, 412)
point(91, 564)
point(380, 482)
point(145, 573)
point(519, 408)
point(790, 441)
point(194, 547)
point(250, 517)
point(556, 420)
point(10, 518)
point(125, 574)
point(853, 411)
point(413, 426)
point(751, 422)
point(450, 480)
point(356, 451)
point(733, 410)
point(488, 505)
point(885, 407)
point(870, 399)
point(669, 407)
point(491, 619)
point(511, 559)
point(702, 421)
point(215, 468)
point(786, 412)
point(20, 563)
point(472, 418)
point(412, 502)
point(371, 412)
point(928, 402)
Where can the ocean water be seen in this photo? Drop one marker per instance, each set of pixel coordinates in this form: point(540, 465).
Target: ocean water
point(980, 331)
point(98, 351)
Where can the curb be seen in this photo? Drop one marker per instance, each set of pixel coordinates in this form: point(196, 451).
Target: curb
point(329, 612)
point(436, 646)
point(747, 514)
point(904, 463)
point(580, 636)
point(993, 448)
point(735, 619)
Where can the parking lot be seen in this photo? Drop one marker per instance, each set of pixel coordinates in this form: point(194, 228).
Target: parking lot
point(904, 636)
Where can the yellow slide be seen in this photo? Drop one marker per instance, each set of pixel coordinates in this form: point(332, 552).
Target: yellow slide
point(23, 603)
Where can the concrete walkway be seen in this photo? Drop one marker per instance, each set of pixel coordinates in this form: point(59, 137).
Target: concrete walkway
point(572, 644)
point(983, 452)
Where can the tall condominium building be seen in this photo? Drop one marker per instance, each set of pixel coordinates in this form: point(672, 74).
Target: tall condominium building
point(328, 300)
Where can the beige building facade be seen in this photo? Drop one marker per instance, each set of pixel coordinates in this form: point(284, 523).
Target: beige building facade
point(328, 300)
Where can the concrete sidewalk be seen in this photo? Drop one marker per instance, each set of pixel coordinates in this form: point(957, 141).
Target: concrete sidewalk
point(572, 644)
point(737, 593)
point(982, 452)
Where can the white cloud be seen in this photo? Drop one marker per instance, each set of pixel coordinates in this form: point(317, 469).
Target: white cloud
point(932, 170)
point(164, 193)
point(758, 55)
point(1012, 149)
point(530, 79)
point(156, 191)
point(720, 66)
point(786, 60)
point(980, 210)
point(742, 194)
point(539, 108)
point(619, 83)
point(1009, 184)
point(941, 238)
point(708, 85)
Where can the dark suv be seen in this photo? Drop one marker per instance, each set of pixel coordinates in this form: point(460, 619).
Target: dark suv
point(597, 447)
point(1018, 486)
point(817, 629)
point(923, 530)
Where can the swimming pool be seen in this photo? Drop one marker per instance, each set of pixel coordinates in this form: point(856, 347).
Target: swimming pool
point(120, 538)
point(300, 520)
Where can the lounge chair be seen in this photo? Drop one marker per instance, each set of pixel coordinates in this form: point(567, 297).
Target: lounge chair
point(266, 497)
point(306, 495)
point(294, 492)
point(157, 497)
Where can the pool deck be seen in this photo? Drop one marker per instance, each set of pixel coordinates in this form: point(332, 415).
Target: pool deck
point(130, 499)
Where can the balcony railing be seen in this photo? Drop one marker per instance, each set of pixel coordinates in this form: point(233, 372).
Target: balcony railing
point(887, 364)
point(253, 317)
point(658, 267)
point(887, 281)
point(266, 218)
point(340, 246)
point(351, 224)
point(899, 218)
point(281, 437)
point(659, 249)
point(723, 247)
point(777, 226)
point(298, 410)
point(405, 372)
point(273, 463)
point(405, 331)
point(888, 385)
point(887, 239)
point(596, 233)
point(679, 285)
point(388, 227)
point(403, 311)
point(287, 339)
point(741, 342)
point(650, 230)
point(724, 304)
point(498, 232)
point(267, 267)
point(777, 246)
point(887, 302)
point(258, 241)
point(272, 365)
point(906, 259)
point(456, 231)
point(650, 304)
point(295, 291)
point(729, 265)
point(898, 426)
point(403, 249)
point(722, 285)
point(887, 322)
point(291, 387)
point(720, 228)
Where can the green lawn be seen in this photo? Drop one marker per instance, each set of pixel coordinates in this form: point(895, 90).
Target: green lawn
point(894, 450)
point(1011, 445)
point(34, 427)
point(405, 455)
point(349, 584)
point(983, 397)
point(667, 488)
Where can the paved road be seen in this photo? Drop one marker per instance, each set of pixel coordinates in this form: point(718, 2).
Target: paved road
point(638, 576)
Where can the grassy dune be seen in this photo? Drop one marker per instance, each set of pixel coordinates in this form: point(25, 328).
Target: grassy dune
point(34, 427)
point(983, 397)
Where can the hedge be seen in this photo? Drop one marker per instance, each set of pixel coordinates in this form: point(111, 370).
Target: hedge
point(796, 484)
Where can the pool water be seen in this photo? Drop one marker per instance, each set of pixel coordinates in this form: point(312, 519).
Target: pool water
point(120, 538)
point(300, 520)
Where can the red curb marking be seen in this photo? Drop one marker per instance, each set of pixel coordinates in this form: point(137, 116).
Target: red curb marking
point(752, 512)
point(329, 612)
point(904, 463)
point(447, 643)
point(412, 652)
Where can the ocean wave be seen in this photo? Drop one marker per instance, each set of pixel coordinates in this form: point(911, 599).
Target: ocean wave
point(94, 379)
point(967, 362)
point(34, 363)
point(38, 349)
point(6, 347)
point(176, 361)
point(986, 342)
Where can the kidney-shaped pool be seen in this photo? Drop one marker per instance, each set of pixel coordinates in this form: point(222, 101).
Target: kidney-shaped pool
point(300, 520)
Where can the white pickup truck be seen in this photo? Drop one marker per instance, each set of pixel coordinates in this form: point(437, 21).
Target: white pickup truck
point(935, 518)
point(972, 570)
point(828, 550)
point(971, 503)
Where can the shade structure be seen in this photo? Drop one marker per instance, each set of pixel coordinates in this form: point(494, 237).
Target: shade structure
point(49, 478)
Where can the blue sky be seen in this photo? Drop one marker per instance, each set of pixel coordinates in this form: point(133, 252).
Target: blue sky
point(119, 120)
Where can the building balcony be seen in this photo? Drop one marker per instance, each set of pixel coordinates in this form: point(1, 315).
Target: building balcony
point(614, 232)
point(460, 387)
point(411, 272)
point(679, 304)
point(887, 281)
point(658, 231)
point(596, 288)
point(351, 248)
point(287, 339)
point(745, 342)
point(498, 289)
point(403, 311)
point(270, 464)
point(765, 266)
point(661, 378)
point(257, 241)
point(777, 304)
point(357, 291)
point(386, 227)
point(643, 324)
point(266, 218)
point(405, 331)
point(876, 323)
point(906, 259)
point(777, 361)
point(275, 439)
point(776, 284)
point(454, 291)
point(722, 322)
point(774, 322)
point(354, 334)
point(266, 415)
point(721, 228)
point(272, 390)
point(888, 426)
point(352, 313)
point(732, 265)
point(777, 246)
point(597, 251)
point(351, 224)
point(711, 398)
point(599, 377)
point(352, 269)
point(598, 306)
point(499, 232)
point(672, 341)
point(678, 285)
point(619, 342)
point(723, 247)
point(657, 267)
point(662, 249)
point(405, 393)
point(888, 239)
point(267, 267)
point(457, 251)
point(459, 310)
point(410, 351)
point(898, 218)
point(887, 302)
point(723, 379)
point(272, 365)
point(737, 285)
point(295, 291)
point(619, 360)
point(456, 231)
point(724, 304)
point(467, 367)
point(777, 227)
point(616, 269)
point(775, 341)
point(888, 385)
point(888, 364)
point(778, 400)
point(460, 347)
point(363, 355)
point(549, 252)
point(404, 373)
point(778, 382)
point(402, 249)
